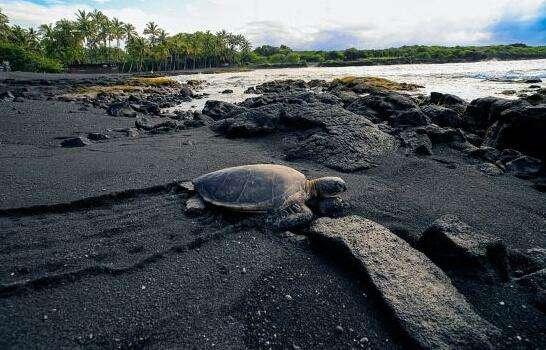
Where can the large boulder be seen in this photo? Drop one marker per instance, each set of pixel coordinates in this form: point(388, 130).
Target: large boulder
point(481, 113)
point(418, 294)
point(279, 86)
point(383, 106)
point(246, 124)
point(521, 128)
point(443, 116)
point(337, 138)
point(221, 110)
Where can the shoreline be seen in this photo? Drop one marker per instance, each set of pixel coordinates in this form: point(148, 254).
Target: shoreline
point(220, 70)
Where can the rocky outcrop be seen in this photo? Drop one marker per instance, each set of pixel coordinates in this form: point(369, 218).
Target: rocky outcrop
point(481, 113)
point(522, 128)
point(278, 86)
point(453, 244)
point(442, 116)
point(416, 292)
point(452, 102)
point(322, 130)
point(382, 106)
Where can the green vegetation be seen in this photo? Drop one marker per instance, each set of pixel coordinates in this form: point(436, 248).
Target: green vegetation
point(95, 39)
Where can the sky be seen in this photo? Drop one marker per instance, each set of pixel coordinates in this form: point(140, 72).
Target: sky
point(318, 24)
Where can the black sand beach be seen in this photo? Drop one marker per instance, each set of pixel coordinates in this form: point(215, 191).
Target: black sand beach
point(97, 252)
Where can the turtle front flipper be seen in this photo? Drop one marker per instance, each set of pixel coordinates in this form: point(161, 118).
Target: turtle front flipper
point(293, 216)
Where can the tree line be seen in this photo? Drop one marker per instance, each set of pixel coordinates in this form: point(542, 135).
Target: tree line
point(94, 38)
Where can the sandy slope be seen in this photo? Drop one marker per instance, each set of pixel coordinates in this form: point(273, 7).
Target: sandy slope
point(136, 272)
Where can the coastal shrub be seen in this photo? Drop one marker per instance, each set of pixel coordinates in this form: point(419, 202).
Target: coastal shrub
point(23, 60)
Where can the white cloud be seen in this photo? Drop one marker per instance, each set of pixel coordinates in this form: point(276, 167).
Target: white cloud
point(308, 23)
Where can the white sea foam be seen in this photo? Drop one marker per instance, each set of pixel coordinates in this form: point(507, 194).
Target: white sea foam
point(467, 80)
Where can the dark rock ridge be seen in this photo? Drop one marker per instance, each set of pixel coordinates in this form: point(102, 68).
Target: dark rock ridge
point(417, 293)
point(321, 120)
point(325, 132)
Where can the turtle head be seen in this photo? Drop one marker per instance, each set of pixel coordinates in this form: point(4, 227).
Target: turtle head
point(329, 186)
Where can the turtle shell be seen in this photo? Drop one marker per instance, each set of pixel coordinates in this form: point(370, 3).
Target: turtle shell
point(258, 188)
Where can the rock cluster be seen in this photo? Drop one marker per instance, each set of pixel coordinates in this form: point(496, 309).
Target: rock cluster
point(348, 125)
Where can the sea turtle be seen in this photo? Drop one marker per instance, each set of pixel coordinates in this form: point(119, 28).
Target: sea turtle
point(268, 188)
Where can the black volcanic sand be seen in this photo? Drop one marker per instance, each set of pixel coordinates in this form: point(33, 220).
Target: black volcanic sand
point(131, 270)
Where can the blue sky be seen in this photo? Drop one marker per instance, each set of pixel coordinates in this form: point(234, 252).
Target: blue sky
point(319, 24)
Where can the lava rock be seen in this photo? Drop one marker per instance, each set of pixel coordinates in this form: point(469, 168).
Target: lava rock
point(76, 142)
point(218, 110)
point(97, 136)
point(382, 106)
point(490, 169)
point(418, 143)
point(524, 167)
point(483, 112)
point(417, 293)
point(453, 244)
point(442, 116)
point(521, 128)
point(488, 154)
point(450, 101)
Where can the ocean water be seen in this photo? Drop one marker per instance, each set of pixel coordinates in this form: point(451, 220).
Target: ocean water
point(466, 80)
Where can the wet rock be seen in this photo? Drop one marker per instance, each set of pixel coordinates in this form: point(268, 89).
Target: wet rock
point(186, 92)
point(97, 136)
point(490, 169)
point(450, 101)
point(488, 154)
point(453, 244)
point(481, 113)
point(417, 293)
point(218, 110)
point(227, 91)
point(76, 142)
point(278, 86)
point(524, 167)
point(442, 116)
point(521, 128)
point(533, 81)
point(418, 143)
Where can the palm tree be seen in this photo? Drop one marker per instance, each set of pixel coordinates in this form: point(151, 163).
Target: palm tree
point(84, 25)
point(118, 30)
point(129, 30)
point(152, 31)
